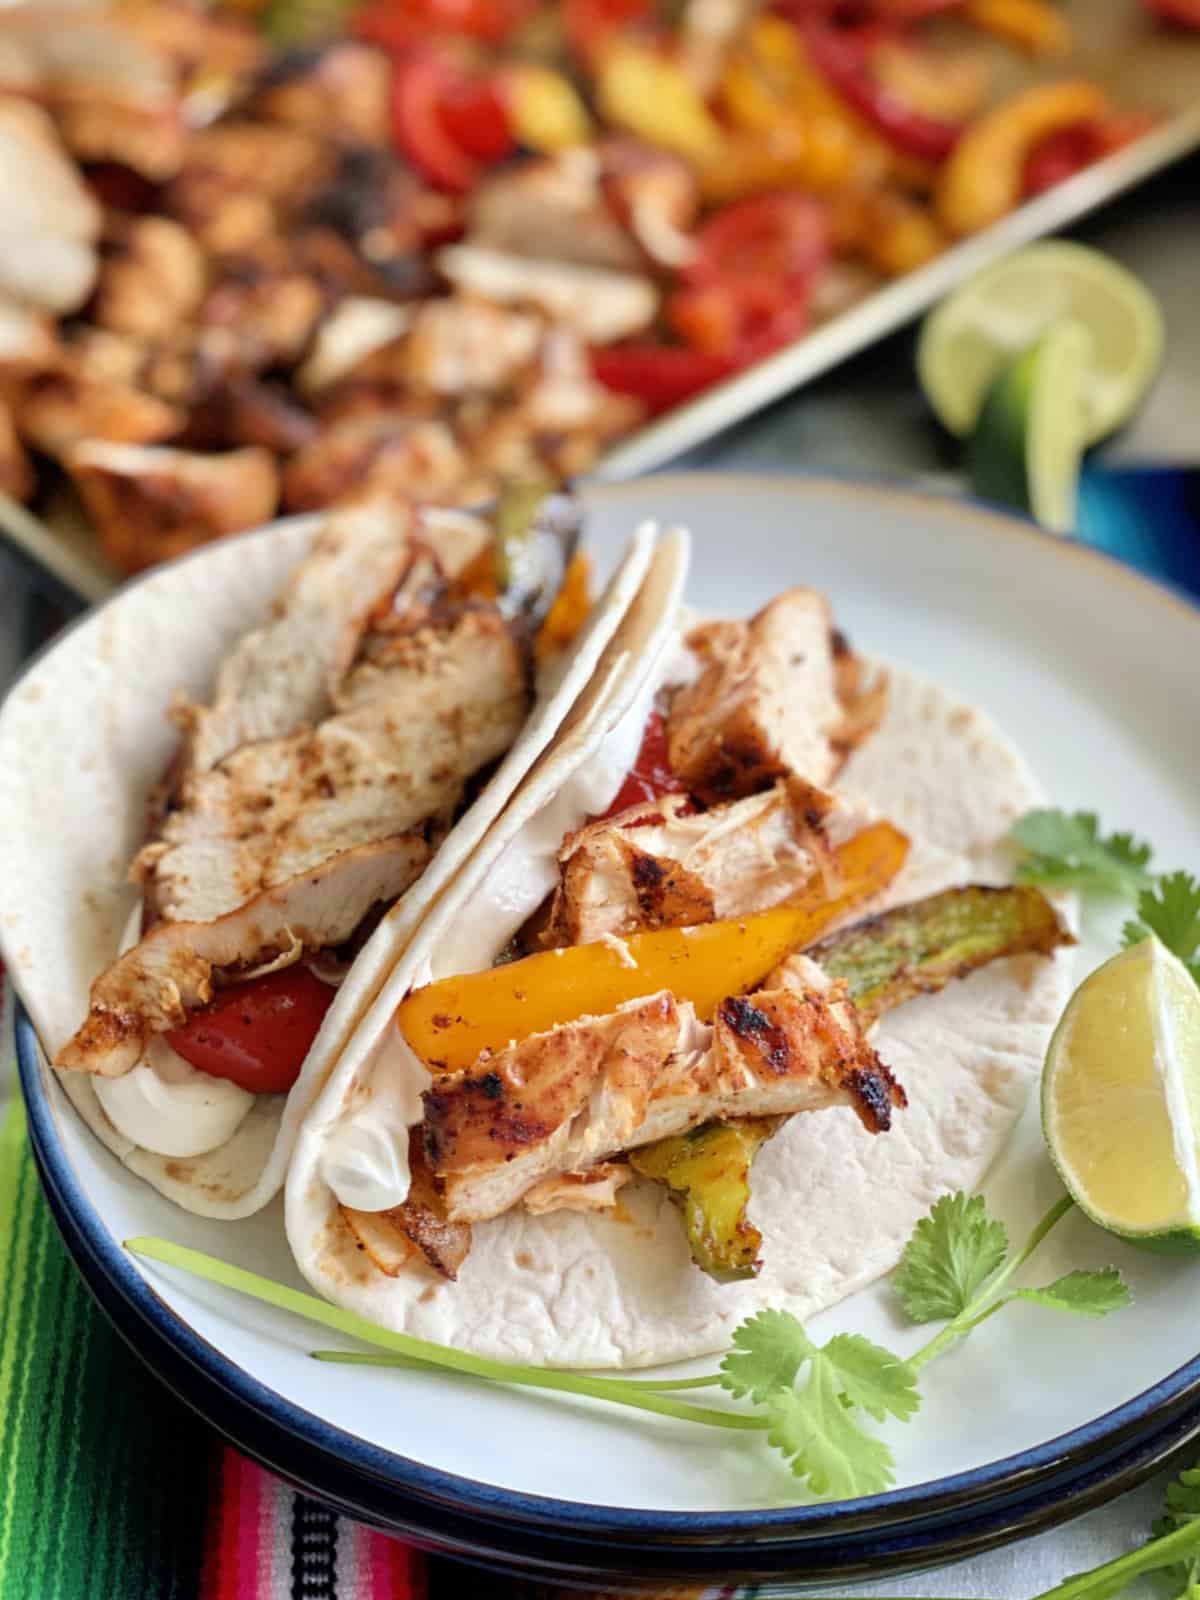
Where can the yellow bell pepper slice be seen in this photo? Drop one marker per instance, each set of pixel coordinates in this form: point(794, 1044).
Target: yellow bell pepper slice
point(545, 108)
point(982, 179)
point(1030, 25)
point(451, 1022)
point(650, 95)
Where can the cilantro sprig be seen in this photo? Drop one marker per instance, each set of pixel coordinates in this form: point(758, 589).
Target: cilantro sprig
point(816, 1404)
point(957, 1267)
point(1170, 911)
point(1070, 852)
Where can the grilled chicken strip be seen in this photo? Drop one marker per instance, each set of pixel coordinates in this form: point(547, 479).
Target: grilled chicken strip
point(601, 305)
point(152, 988)
point(778, 695)
point(669, 864)
point(418, 719)
point(149, 504)
point(554, 208)
point(565, 1100)
point(282, 674)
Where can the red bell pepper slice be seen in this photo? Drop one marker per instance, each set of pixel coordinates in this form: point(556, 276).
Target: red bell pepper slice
point(257, 1033)
point(661, 376)
point(650, 776)
point(742, 318)
point(747, 288)
point(1067, 151)
point(846, 67)
point(418, 90)
point(446, 122)
point(770, 238)
point(474, 113)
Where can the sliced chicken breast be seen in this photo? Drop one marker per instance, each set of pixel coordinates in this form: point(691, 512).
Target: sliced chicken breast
point(562, 1101)
point(671, 864)
point(769, 702)
point(426, 712)
point(171, 972)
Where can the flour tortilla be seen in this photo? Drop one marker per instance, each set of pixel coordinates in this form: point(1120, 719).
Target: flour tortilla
point(835, 1204)
point(83, 741)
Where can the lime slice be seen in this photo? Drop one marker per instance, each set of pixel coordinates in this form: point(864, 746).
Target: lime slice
point(1025, 451)
point(979, 328)
point(1121, 1098)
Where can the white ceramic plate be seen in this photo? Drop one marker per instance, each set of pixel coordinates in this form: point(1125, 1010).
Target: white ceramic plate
point(1091, 670)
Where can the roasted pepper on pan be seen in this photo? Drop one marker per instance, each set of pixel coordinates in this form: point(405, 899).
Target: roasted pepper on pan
point(651, 96)
point(983, 180)
point(1030, 25)
point(914, 949)
point(449, 1023)
point(787, 126)
point(849, 71)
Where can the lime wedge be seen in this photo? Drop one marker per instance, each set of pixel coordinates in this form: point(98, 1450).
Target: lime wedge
point(1121, 1098)
point(983, 325)
point(1026, 449)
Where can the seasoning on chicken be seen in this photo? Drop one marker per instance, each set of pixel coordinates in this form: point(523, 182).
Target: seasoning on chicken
point(335, 753)
point(152, 278)
point(149, 504)
point(553, 208)
point(415, 720)
point(176, 967)
point(378, 453)
point(282, 675)
point(565, 1100)
point(771, 701)
point(600, 304)
point(669, 864)
point(69, 403)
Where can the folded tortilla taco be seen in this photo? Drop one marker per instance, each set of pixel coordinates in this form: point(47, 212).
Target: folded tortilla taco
point(732, 989)
point(231, 795)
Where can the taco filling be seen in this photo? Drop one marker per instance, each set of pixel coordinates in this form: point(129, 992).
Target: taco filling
point(689, 983)
point(343, 740)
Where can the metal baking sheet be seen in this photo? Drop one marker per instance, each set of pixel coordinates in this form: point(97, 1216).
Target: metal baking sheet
point(1144, 66)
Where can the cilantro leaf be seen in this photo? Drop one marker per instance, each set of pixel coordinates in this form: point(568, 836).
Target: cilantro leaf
point(821, 1438)
point(1070, 852)
point(1087, 1294)
point(1183, 1506)
point(872, 1377)
point(952, 1253)
point(1172, 911)
point(769, 1350)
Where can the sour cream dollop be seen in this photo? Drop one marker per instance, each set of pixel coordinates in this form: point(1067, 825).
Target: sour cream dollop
point(365, 1159)
point(166, 1105)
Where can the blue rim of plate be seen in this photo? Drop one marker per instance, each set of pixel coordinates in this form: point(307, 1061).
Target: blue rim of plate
point(531, 1555)
point(1055, 1460)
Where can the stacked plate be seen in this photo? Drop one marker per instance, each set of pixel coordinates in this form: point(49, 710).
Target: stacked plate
point(1088, 668)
